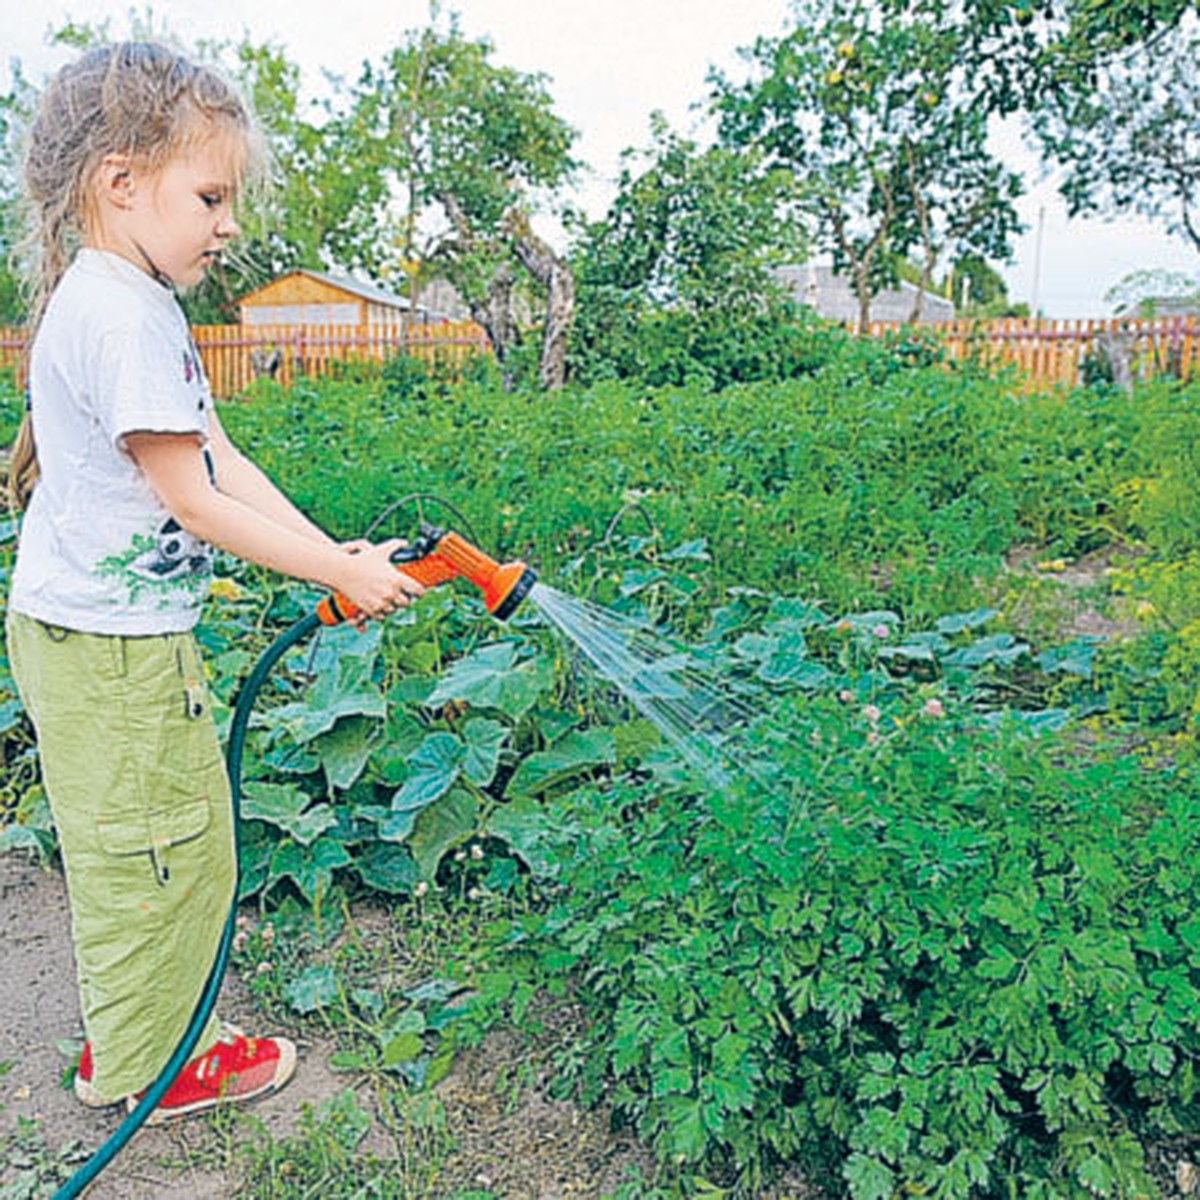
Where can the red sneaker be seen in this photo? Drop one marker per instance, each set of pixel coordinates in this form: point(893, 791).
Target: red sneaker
point(85, 1093)
point(237, 1068)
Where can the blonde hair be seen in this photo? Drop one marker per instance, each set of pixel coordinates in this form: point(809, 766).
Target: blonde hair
point(138, 99)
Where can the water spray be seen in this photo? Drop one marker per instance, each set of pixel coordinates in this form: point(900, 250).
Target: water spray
point(664, 680)
point(435, 556)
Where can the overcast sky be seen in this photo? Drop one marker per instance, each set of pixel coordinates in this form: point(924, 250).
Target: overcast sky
point(610, 64)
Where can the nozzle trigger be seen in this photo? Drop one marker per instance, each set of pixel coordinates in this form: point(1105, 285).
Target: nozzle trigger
point(423, 545)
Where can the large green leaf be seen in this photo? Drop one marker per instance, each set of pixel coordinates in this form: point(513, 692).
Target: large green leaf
point(288, 808)
point(579, 751)
point(20, 837)
point(402, 734)
point(344, 687)
point(441, 827)
point(314, 988)
point(322, 708)
point(402, 1042)
point(524, 825)
point(255, 847)
point(344, 750)
point(10, 715)
point(309, 867)
point(398, 826)
point(343, 647)
point(484, 738)
point(1000, 648)
point(958, 622)
point(492, 677)
point(917, 647)
point(386, 868)
point(434, 767)
point(782, 655)
point(1077, 657)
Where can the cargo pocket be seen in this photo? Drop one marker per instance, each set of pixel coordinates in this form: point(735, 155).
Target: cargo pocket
point(153, 832)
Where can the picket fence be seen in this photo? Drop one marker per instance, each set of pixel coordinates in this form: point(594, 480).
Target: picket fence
point(1060, 353)
point(1047, 353)
point(235, 355)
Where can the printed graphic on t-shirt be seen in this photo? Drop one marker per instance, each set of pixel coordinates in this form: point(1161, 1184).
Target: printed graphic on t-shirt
point(171, 564)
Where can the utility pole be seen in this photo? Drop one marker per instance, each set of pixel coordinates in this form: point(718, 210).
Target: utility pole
point(1037, 262)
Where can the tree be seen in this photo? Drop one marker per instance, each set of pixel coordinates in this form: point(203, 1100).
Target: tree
point(979, 290)
point(1132, 142)
point(1143, 293)
point(323, 202)
point(1013, 54)
point(481, 144)
point(15, 109)
point(1109, 90)
point(690, 238)
point(876, 119)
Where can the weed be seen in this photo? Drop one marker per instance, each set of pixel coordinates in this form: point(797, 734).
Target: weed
point(32, 1169)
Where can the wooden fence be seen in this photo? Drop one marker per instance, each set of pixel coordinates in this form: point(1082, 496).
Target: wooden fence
point(1049, 353)
point(234, 355)
point(12, 347)
point(1066, 353)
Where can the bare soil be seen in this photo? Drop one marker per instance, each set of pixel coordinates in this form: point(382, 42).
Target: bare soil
point(1083, 604)
point(514, 1141)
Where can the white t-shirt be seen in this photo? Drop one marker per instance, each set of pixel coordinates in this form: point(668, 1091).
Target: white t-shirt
point(98, 552)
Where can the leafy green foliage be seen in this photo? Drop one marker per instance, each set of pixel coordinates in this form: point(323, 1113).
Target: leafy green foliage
point(1126, 144)
point(477, 142)
point(678, 267)
point(933, 941)
point(870, 478)
point(927, 958)
point(889, 145)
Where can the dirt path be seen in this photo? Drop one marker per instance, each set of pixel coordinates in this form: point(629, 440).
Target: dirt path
point(509, 1144)
point(41, 1013)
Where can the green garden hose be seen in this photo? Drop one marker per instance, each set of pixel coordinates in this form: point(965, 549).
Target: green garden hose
point(212, 986)
point(435, 556)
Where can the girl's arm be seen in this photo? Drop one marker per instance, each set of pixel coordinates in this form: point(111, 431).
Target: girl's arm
point(238, 477)
point(174, 467)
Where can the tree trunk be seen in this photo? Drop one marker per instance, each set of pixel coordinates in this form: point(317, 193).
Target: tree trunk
point(862, 289)
point(494, 310)
point(555, 276)
point(495, 313)
point(918, 199)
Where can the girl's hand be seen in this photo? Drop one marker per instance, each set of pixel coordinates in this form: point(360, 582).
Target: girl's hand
point(371, 581)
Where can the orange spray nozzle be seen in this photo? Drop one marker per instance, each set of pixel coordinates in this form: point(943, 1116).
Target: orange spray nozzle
point(437, 556)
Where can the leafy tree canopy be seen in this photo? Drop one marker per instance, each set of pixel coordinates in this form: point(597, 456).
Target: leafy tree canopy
point(674, 281)
point(877, 118)
point(1143, 293)
point(464, 138)
point(1131, 143)
point(691, 227)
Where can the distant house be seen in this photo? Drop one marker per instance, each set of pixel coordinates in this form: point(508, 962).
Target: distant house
point(442, 300)
point(833, 297)
point(304, 297)
point(1160, 306)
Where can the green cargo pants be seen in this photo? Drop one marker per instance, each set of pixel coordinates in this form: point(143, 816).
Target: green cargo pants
point(140, 798)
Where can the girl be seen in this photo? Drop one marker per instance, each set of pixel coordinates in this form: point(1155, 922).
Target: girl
point(135, 157)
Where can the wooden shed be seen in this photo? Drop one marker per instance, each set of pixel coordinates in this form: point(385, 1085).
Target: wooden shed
point(304, 297)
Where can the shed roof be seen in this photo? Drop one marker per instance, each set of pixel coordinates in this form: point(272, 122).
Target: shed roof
point(370, 292)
